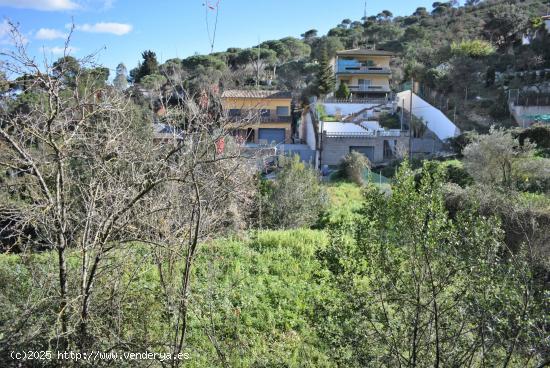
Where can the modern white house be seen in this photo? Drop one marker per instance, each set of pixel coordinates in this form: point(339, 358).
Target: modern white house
point(434, 119)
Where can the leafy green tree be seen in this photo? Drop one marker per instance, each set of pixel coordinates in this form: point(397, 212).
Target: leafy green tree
point(308, 35)
point(206, 61)
point(259, 59)
point(296, 75)
point(415, 287)
point(297, 49)
point(153, 81)
point(329, 44)
point(148, 66)
point(498, 158)
point(505, 24)
point(67, 69)
point(421, 12)
point(96, 77)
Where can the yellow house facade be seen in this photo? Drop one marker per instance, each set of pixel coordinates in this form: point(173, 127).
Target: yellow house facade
point(263, 117)
point(366, 72)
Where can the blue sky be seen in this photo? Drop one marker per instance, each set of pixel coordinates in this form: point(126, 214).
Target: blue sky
point(121, 29)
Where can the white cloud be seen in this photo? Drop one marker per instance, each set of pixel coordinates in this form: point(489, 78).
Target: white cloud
point(49, 34)
point(59, 50)
point(108, 4)
point(6, 36)
point(118, 29)
point(4, 29)
point(47, 5)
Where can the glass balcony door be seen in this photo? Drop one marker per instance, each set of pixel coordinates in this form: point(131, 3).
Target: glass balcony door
point(363, 84)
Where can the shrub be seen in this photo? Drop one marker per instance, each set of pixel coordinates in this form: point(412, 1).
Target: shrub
point(389, 121)
point(459, 142)
point(538, 134)
point(353, 167)
point(295, 198)
point(472, 48)
point(343, 91)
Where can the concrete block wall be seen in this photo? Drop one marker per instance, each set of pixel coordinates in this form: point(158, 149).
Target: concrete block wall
point(335, 148)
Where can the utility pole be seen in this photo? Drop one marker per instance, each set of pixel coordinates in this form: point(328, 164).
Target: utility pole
point(402, 114)
point(258, 67)
point(411, 120)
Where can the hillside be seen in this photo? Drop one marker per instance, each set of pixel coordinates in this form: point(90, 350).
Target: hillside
point(464, 58)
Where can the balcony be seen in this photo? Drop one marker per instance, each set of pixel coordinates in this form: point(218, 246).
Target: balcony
point(368, 88)
point(356, 67)
point(254, 116)
point(368, 134)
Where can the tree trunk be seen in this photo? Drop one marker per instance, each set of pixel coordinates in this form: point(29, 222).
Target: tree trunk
point(63, 305)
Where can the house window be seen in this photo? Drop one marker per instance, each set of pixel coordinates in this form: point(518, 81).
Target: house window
point(265, 113)
point(234, 112)
point(283, 111)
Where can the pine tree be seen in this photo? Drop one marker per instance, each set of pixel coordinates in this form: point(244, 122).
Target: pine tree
point(343, 91)
point(121, 79)
point(325, 75)
point(149, 66)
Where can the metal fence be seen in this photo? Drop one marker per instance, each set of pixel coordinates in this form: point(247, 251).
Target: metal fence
point(352, 100)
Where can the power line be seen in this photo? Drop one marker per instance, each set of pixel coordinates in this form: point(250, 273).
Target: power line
point(207, 7)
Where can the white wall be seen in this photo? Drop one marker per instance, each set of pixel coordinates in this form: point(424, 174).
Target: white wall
point(309, 132)
point(435, 120)
point(345, 108)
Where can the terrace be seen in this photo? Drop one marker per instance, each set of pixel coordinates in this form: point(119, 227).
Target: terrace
point(359, 67)
point(261, 115)
point(368, 88)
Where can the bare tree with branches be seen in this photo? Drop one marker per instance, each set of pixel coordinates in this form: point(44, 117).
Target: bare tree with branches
point(92, 178)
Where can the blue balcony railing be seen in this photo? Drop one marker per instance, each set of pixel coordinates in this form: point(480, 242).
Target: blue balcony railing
point(357, 67)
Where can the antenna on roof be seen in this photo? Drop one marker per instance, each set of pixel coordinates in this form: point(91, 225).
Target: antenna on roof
point(365, 19)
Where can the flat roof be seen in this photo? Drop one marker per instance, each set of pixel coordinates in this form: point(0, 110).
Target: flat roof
point(341, 127)
point(365, 52)
point(245, 93)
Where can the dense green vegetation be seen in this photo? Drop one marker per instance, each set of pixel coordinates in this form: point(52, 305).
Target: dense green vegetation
point(390, 279)
point(115, 241)
point(253, 297)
